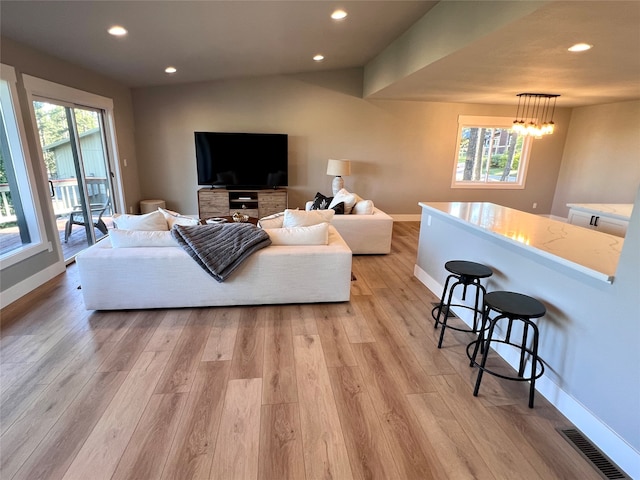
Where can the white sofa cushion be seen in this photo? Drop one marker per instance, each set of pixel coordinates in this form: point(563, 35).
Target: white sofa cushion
point(311, 235)
point(272, 221)
point(363, 207)
point(141, 238)
point(302, 218)
point(149, 221)
point(175, 218)
point(349, 200)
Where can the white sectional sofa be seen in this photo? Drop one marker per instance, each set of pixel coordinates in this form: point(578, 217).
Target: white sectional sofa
point(366, 229)
point(366, 234)
point(167, 277)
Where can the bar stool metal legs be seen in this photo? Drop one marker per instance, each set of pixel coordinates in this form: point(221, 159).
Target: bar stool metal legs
point(513, 307)
point(467, 274)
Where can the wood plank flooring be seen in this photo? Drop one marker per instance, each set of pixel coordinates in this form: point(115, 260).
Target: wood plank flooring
point(319, 391)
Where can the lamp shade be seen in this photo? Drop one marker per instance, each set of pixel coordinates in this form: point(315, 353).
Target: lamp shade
point(339, 168)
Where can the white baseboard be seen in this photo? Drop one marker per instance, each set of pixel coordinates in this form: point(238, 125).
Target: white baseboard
point(12, 294)
point(615, 447)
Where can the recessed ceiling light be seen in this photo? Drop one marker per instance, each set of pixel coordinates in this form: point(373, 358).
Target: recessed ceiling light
point(338, 14)
point(170, 70)
point(318, 58)
point(117, 31)
point(580, 47)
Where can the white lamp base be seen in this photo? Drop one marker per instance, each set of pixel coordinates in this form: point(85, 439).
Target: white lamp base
point(337, 185)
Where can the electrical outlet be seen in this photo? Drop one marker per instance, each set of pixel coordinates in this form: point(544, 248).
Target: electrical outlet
point(125, 162)
point(130, 209)
point(535, 205)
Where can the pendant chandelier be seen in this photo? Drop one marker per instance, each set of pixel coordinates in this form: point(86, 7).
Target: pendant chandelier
point(535, 114)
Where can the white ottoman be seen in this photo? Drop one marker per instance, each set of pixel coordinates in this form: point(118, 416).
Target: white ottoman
point(148, 206)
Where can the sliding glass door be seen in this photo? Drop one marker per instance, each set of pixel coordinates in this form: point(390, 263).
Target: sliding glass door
point(76, 162)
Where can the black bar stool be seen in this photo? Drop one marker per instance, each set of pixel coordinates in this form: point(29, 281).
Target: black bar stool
point(510, 306)
point(466, 274)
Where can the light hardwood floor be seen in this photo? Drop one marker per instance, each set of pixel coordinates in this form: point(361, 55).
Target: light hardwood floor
point(320, 391)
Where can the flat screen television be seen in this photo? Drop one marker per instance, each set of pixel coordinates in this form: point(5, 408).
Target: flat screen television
point(242, 160)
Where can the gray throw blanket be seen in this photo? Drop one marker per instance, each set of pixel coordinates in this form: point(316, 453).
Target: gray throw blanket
point(220, 249)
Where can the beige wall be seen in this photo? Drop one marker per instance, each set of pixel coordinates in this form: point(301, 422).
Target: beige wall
point(402, 151)
point(601, 160)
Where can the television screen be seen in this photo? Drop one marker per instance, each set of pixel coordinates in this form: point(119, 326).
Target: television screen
point(242, 160)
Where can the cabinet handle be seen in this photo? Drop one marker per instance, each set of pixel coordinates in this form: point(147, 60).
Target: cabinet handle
point(595, 221)
point(591, 221)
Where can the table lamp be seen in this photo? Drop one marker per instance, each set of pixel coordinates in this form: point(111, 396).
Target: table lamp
point(339, 168)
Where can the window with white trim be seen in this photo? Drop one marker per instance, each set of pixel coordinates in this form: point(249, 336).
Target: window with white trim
point(489, 154)
point(21, 226)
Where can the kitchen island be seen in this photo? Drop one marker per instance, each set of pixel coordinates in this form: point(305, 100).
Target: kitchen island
point(590, 284)
point(593, 253)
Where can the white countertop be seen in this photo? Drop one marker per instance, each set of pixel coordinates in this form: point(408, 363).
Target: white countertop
point(592, 252)
point(621, 211)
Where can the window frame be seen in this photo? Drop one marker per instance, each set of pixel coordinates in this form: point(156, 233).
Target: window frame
point(475, 121)
point(24, 173)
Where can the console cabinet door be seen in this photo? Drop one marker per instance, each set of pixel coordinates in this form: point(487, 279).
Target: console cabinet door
point(213, 203)
point(270, 202)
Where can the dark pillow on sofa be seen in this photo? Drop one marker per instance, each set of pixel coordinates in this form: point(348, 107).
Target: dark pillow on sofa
point(321, 202)
point(339, 208)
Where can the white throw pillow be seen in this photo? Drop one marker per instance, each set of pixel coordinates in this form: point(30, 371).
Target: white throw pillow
point(349, 200)
point(363, 207)
point(149, 221)
point(302, 218)
point(141, 238)
point(311, 235)
point(175, 218)
point(272, 221)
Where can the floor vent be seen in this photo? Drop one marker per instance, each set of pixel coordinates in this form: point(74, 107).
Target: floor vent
point(598, 459)
point(450, 313)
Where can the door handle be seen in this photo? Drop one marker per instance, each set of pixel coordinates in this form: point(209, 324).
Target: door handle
point(53, 192)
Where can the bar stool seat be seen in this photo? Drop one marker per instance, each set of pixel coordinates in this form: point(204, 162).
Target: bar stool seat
point(512, 307)
point(466, 274)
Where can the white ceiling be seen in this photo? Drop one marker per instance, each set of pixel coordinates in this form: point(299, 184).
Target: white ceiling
point(210, 40)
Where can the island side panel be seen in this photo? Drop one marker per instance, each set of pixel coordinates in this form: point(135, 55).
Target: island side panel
point(589, 362)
